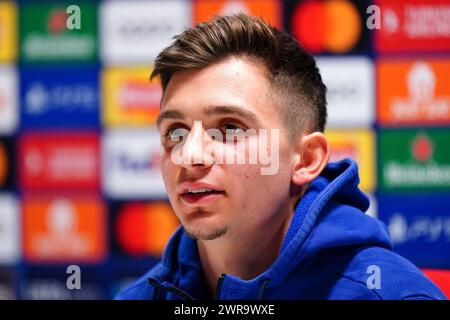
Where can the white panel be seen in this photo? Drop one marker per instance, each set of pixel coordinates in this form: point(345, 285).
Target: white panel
point(350, 83)
point(131, 164)
point(136, 31)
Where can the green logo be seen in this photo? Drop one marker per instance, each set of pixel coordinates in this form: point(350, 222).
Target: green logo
point(414, 159)
point(58, 32)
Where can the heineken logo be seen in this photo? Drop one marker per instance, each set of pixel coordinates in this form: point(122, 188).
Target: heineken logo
point(398, 174)
point(64, 19)
point(422, 148)
point(58, 33)
point(57, 21)
point(415, 159)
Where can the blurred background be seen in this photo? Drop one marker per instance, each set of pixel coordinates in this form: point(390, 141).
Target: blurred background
point(79, 174)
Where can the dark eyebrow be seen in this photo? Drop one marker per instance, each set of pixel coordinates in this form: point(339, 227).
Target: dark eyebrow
point(210, 111)
point(169, 114)
point(231, 110)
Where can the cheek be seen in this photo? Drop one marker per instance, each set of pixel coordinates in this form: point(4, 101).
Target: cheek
point(256, 197)
point(250, 175)
point(253, 188)
point(168, 170)
point(246, 180)
point(242, 184)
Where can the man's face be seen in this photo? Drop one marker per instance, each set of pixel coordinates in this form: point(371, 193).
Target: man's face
point(212, 196)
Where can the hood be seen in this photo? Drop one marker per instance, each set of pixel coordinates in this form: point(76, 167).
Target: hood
point(330, 215)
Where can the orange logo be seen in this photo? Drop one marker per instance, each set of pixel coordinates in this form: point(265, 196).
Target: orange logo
point(145, 228)
point(3, 164)
point(60, 229)
point(268, 9)
point(333, 26)
point(414, 92)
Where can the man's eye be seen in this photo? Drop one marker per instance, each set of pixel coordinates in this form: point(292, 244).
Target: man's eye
point(177, 134)
point(232, 129)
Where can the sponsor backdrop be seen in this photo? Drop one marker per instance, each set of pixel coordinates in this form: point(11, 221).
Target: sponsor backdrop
point(79, 152)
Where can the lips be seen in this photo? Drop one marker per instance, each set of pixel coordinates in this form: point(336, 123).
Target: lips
point(200, 192)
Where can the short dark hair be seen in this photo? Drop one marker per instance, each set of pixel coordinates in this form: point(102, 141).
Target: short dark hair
point(292, 71)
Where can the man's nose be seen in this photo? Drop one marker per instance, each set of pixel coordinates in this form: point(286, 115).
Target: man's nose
point(194, 149)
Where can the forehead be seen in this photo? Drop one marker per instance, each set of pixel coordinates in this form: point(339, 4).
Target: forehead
point(233, 81)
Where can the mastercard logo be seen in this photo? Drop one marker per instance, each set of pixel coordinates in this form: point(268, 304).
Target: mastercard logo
point(333, 26)
point(3, 164)
point(145, 228)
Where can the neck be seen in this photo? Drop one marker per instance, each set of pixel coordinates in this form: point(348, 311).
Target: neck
point(245, 255)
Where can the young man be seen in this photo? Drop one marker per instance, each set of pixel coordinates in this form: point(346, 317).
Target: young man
point(245, 164)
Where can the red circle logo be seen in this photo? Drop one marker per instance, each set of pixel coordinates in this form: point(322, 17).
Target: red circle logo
point(333, 26)
point(145, 228)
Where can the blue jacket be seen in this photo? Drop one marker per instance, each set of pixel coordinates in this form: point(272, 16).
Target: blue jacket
point(332, 250)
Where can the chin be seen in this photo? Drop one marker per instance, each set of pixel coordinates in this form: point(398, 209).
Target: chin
point(205, 234)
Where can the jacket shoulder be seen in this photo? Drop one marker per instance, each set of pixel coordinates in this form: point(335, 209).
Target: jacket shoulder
point(140, 289)
point(387, 275)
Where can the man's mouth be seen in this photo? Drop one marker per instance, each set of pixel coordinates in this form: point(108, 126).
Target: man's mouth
point(196, 191)
point(203, 195)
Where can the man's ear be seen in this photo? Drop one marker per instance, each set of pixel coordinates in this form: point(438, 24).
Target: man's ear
point(312, 157)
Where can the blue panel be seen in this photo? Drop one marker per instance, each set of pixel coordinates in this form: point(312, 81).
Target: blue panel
point(419, 226)
point(59, 97)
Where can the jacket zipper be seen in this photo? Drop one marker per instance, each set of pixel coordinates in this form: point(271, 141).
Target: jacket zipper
point(219, 286)
point(171, 289)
